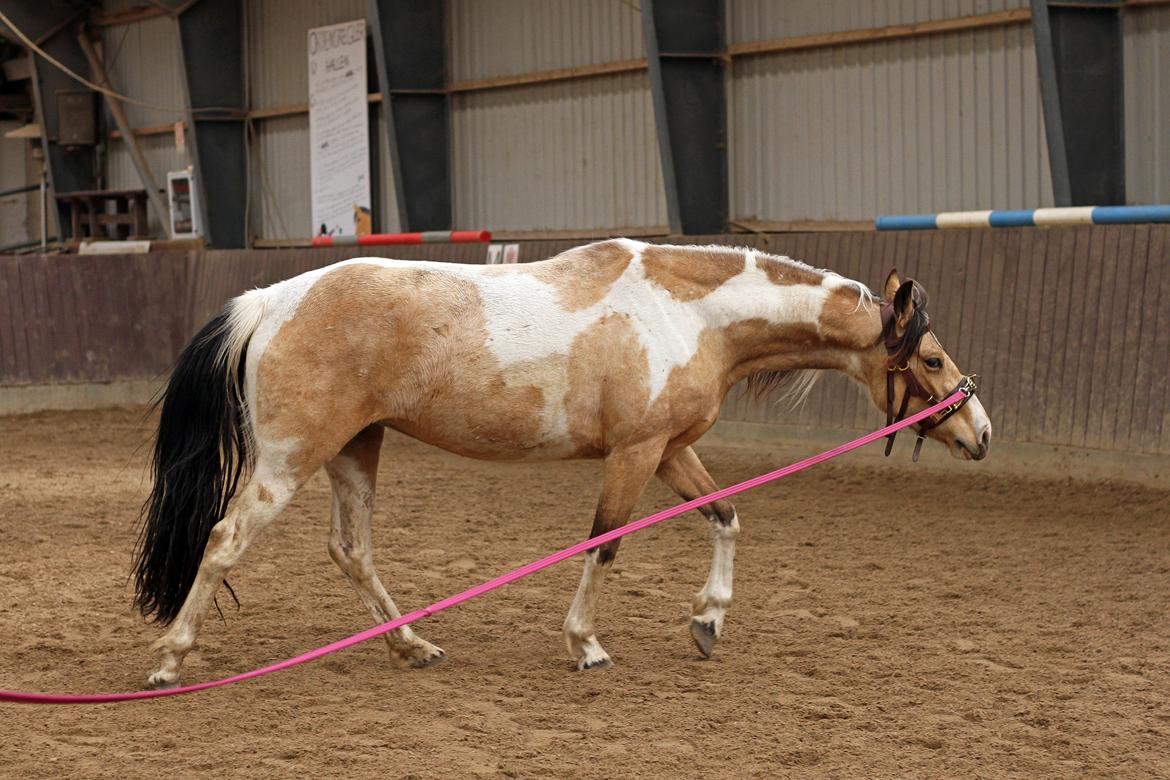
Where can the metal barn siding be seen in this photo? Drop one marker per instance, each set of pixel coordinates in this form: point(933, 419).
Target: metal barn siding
point(572, 154)
point(578, 154)
point(279, 183)
point(385, 194)
point(277, 39)
point(1147, 104)
point(143, 61)
point(504, 37)
point(944, 122)
point(757, 20)
point(278, 68)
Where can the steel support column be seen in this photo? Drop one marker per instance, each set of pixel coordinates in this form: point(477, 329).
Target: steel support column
point(212, 41)
point(1079, 57)
point(410, 46)
point(50, 23)
point(685, 42)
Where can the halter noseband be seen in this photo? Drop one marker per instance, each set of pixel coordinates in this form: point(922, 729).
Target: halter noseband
point(899, 350)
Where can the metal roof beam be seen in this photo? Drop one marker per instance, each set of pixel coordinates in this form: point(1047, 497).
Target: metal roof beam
point(211, 33)
point(410, 46)
point(685, 43)
point(1079, 57)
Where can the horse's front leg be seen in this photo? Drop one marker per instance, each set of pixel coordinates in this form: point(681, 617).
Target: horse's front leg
point(626, 472)
point(687, 477)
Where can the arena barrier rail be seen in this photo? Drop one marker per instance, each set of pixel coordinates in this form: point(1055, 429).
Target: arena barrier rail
point(394, 239)
point(1075, 215)
point(24, 697)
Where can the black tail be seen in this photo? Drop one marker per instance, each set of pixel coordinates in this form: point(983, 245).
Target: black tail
point(202, 449)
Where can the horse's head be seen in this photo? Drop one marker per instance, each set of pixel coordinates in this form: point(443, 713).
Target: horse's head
point(911, 371)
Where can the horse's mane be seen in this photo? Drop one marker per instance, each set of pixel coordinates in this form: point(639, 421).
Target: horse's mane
point(791, 387)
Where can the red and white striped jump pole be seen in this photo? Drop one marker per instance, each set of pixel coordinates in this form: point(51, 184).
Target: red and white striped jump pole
point(391, 239)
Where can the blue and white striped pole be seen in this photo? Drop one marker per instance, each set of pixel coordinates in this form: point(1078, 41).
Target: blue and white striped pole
point(1075, 215)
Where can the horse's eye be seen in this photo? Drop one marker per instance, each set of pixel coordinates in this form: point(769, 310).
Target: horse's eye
point(933, 363)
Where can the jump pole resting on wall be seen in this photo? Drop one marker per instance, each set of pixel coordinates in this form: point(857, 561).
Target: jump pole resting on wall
point(1074, 215)
point(26, 697)
point(392, 239)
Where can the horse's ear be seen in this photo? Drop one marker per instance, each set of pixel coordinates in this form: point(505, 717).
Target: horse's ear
point(893, 282)
point(904, 304)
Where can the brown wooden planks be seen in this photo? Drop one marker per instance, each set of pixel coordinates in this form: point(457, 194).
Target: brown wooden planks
point(1156, 436)
point(1103, 400)
point(1037, 347)
point(1130, 290)
point(1082, 348)
point(35, 316)
point(1022, 299)
point(999, 310)
point(1056, 389)
point(13, 347)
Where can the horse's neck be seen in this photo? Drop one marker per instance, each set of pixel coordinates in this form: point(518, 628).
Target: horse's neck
point(800, 326)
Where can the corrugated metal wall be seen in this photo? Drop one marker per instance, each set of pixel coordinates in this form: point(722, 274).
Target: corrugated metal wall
point(278, 62)
point(579, 154)
point(575, 154)
point(143, 61)
point(1147, 104)
point(947, 122)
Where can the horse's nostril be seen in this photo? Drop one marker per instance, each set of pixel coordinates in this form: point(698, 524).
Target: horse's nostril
point(985, 440)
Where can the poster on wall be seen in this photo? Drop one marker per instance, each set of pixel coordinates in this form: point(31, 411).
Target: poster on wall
point(339, 130)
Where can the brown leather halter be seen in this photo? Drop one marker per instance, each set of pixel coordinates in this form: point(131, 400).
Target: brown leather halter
point(899, 351)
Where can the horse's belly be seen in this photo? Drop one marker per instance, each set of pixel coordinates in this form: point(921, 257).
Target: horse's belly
point(495, 422)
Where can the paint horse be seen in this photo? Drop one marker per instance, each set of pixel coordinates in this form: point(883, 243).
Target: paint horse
point(619, 350)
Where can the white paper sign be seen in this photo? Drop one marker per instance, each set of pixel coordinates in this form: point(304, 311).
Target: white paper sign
point(339, 137)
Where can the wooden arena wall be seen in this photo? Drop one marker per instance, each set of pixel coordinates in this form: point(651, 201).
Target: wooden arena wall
point(1068, 328)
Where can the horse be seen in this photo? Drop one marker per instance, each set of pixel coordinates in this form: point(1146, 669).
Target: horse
point(619, 350)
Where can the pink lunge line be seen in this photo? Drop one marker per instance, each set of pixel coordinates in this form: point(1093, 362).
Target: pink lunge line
point(486, 587)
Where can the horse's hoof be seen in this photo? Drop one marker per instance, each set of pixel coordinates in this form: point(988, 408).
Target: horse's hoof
point(434, 658)
point(705, 636)
point(594, 663)
point(161, 681)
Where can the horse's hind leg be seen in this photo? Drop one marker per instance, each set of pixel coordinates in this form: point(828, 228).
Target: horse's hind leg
point(353, 474)
point(685, 474)
point(254, 507)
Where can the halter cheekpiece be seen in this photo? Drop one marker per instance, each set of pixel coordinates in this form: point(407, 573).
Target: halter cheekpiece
point(899, 350)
